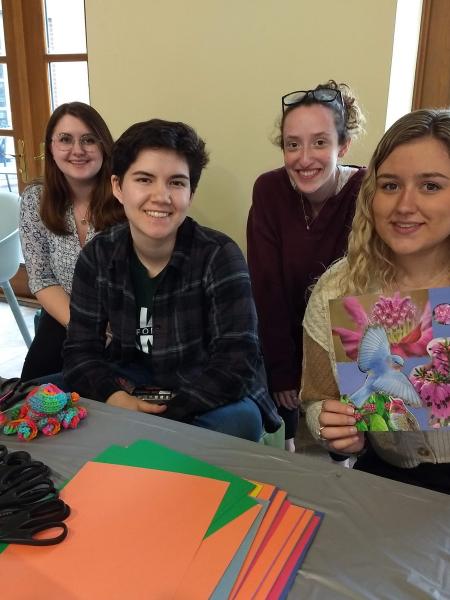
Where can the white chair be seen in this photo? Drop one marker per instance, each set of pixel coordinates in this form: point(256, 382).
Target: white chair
point(10, 255)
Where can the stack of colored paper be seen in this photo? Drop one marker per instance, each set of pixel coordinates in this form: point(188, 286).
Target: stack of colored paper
point(150, 522)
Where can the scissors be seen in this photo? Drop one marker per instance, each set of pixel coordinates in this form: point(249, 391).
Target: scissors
point(24, 484)
point(21, 526)
point(19, 457)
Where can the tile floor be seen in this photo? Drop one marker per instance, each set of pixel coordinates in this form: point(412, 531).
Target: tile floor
point(13, 350)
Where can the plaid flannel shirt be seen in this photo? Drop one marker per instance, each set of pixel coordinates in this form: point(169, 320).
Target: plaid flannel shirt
point(205, 342)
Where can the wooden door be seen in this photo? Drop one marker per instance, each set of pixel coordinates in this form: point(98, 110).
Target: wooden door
point(43, 63)
point(432, 85)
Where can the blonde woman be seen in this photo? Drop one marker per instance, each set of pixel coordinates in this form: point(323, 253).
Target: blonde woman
point(400, 240)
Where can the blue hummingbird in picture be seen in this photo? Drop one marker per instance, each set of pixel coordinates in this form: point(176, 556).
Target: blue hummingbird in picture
point(383, 370)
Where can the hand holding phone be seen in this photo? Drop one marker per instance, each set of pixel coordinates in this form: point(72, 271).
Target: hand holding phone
point(153, 395)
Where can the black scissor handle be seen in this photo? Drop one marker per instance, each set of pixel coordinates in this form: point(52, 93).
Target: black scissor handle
point(23, 498)
point(14, 475)
point(58, 513)
point(28, 492)
point(3, 453)
point(19, 457)
point(48, 510)
point(27, 535)
point(22, 526)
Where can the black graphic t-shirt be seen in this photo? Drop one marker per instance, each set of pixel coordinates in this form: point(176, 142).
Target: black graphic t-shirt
point(144, 290)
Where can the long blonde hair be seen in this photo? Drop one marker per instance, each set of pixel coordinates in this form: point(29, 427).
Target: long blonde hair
point(369, 259)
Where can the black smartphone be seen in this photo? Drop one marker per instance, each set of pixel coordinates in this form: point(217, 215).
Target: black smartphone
point(152, 394)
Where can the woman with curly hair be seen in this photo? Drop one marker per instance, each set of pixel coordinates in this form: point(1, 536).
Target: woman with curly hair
point(298, 225)
point(400, 240)
point(58, 216)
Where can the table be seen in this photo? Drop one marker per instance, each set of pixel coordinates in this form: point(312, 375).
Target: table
point(379, 539)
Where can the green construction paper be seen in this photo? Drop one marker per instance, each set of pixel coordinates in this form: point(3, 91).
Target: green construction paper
point(150, 455)
point(222, 517)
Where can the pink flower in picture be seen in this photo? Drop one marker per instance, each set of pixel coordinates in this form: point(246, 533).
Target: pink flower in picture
point(397, 315)
point(436, 396)
point(439, 351)
point(432, 381)
point(351, 338)
point(408, 334)
point(441, 314)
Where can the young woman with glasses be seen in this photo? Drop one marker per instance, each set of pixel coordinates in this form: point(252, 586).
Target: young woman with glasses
point(400, 241)
point(298, 225)
point(58, 216)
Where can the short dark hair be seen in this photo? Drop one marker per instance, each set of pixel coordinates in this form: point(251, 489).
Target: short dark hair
point(157, 133)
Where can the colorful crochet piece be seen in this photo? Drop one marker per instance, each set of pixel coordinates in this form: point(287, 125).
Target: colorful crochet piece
point(46, 408)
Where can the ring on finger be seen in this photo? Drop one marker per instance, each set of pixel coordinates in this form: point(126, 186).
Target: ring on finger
point(320, 433)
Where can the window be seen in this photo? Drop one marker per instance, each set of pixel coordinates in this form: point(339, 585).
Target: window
point(404, 53)
point(66, 51)
point(43, 63)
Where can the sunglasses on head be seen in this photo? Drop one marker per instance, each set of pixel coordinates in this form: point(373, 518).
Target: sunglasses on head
point(320, 95)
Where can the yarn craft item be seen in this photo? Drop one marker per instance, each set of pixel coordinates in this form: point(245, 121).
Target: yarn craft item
point(46, 408)
point(3, 403)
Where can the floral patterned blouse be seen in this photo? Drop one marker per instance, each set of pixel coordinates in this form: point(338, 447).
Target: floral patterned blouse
point(49, 258)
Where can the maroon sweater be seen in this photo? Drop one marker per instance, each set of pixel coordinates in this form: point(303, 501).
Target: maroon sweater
point(285, 258)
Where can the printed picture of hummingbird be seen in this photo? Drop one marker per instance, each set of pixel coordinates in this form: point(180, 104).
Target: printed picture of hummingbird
point(384, 375)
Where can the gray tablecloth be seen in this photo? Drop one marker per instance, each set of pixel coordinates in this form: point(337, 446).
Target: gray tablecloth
point(379, 539)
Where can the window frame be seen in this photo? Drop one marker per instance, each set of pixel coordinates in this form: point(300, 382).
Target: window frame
point(28, 64)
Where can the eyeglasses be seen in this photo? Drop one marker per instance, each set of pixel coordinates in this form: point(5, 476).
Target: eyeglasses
point(66, 141)
point(320, 95)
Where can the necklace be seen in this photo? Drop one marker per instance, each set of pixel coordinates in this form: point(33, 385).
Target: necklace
point(83, 219)
point(310, 220)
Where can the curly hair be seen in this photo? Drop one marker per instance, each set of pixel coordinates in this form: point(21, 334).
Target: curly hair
point(349, 122)
point(370, 260)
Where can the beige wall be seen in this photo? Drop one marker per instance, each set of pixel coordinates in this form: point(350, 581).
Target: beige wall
point(222, 67)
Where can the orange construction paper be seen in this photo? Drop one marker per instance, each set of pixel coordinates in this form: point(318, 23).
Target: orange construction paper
point(213, 557)
point(270, 551)
point(284, 580)
point(217, 551)
point(283, 556)
point(266, 524)
point(133, 532)
point(263, 491)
